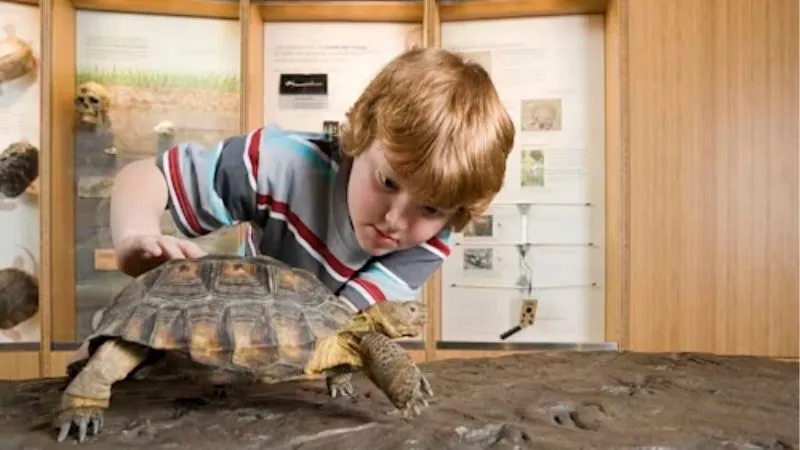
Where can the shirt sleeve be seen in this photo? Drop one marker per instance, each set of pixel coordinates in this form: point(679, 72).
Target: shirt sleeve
point(398, 276)
point(211, 188)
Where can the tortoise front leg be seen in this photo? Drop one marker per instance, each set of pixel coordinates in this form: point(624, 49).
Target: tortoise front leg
point(390, 367)
point(338, 382)
point(88, 394)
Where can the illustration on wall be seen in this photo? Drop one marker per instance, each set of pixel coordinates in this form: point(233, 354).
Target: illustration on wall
point(541, 114)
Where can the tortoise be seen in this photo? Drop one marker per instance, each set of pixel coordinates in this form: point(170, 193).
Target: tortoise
point(19, 297)
point(245, 315)
point(16, 56)
point(19, 167)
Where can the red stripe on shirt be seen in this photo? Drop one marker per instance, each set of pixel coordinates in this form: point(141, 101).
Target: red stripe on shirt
point(254, 152)
point(305, 234)
point(176, 179)
point(373, 289)
point(438, 244)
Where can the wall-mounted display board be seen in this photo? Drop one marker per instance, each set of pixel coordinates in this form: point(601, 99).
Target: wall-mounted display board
point(543, 238)
point(20, 98)
point(541, 269)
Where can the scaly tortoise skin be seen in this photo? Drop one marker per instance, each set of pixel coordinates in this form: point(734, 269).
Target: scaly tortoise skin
point(19, 167)
point(19, 297)
point(251, 316)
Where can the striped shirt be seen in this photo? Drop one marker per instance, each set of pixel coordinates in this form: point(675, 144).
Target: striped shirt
point(291, 188)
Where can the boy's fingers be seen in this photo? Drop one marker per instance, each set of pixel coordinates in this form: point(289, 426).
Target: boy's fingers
point(151, 247)
point(172, 249)
point(191, 250)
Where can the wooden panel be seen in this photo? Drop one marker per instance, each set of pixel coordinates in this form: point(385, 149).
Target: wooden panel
point(714, 176)
point(24, 2)
point(617, 175)
point(353, 11)
point(432, 289)
point(19, 365)
point(193, 8)
point(501, 9)
point(60, 95)
point(252, 66)
point(467, 354)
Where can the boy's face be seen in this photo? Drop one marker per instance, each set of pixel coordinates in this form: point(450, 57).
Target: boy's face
point(384, 215)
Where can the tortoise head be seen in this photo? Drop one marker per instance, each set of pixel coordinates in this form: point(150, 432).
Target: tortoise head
point(397, 319)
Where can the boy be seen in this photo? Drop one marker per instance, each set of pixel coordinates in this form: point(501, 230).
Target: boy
point(422, 152)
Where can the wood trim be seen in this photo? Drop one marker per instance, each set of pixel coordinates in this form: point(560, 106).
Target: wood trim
point(432, 291)
point(21, 365)
point(472, 354)
point(616, 175)
point(24, 2)
point(352, 11)
point(57, 191)
point(45, 191)
point(252, 66)
point(192, 8)
point(505, 9)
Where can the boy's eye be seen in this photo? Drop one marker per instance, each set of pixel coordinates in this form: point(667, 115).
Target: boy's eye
point(430, 211)
point(388, 183)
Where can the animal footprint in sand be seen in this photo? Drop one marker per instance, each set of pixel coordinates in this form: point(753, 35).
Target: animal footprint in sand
point(582, 416)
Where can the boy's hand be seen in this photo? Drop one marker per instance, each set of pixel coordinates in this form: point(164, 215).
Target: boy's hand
point(137, 254)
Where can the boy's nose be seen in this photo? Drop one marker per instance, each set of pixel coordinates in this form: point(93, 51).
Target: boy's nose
point(397, 218)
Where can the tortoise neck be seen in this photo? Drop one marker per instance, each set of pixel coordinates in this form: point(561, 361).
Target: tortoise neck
point(362, 323)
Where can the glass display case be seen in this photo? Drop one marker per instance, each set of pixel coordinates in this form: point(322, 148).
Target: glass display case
point(20, 267)
point(540, 246)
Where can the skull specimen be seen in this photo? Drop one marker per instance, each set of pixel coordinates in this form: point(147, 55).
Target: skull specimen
point(92, 104)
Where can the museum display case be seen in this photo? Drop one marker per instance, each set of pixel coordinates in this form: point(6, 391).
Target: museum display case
point(125, 79)
point(20, 263)
point(535, 259)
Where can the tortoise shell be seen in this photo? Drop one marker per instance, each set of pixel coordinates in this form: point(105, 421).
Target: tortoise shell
point(244, 314)
point(19, 167)
point(16, 58)
point(19, 297)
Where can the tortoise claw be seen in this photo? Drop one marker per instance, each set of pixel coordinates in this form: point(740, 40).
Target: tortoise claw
point(83, 417)
point(414, 405)
point(340, 385)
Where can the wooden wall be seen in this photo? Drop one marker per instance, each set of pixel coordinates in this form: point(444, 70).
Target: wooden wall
point(713, 141)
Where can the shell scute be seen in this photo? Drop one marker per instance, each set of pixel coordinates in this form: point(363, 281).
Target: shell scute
point(240, 278)
point(181, 280)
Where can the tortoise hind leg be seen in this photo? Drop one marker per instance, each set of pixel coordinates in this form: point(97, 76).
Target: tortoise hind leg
point(390, 367)
point(88, 394)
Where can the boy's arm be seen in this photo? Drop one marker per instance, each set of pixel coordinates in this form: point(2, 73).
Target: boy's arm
point(398, 276)
point(138, 198)
point(211, 188)
point(202, 188)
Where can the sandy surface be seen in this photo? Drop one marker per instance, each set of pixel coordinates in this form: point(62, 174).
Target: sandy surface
point(537, 401)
